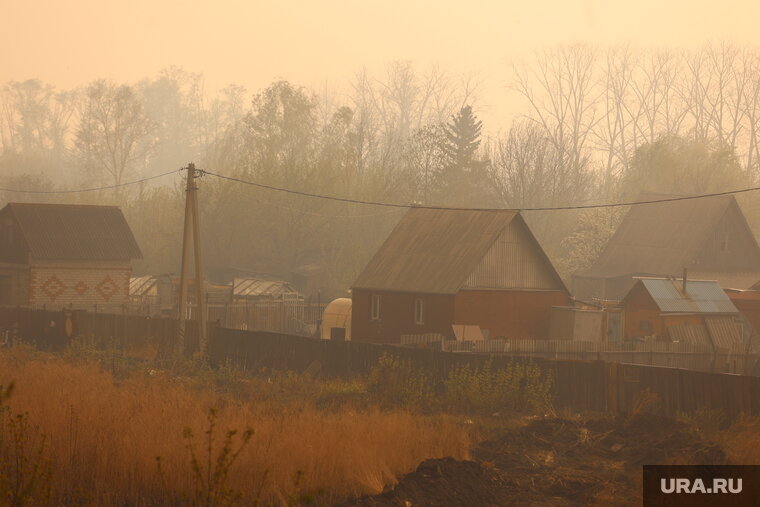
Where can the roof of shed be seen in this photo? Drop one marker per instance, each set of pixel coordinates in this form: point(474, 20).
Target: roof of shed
point(433, 250)
point(701, 296)
point(141, 285)
point(257, 287)
point(660, 238)
point(75, 232)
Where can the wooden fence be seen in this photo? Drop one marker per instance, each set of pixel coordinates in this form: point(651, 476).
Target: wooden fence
point(652, 353)
point(579, 385)
point(281, 316)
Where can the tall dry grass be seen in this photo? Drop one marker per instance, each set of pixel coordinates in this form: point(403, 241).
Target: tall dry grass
point(103, 438)
point(741, 441)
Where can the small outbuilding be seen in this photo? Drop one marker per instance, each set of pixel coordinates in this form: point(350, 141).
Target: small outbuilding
point(151, 295)
point(576, 324)
point(440, 268)
point(336, 320)
point(65, 256)
point(694, 311)
point(260, 289)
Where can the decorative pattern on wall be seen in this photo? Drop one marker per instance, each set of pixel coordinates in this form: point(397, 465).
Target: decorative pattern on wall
point(107, 288)
point(86, 288)
point(53, 287)
point(80, 288)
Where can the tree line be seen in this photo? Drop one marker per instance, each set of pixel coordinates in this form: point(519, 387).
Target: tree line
point(598, 124)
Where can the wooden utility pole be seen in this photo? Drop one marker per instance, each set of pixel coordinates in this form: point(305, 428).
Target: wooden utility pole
point(192, 227)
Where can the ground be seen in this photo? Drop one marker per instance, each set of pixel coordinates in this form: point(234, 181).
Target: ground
point(554, 461)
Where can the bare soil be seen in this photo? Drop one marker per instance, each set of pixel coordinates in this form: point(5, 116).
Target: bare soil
point(554, 462)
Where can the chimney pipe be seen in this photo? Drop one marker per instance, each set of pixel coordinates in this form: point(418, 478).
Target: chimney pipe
point(684, 280)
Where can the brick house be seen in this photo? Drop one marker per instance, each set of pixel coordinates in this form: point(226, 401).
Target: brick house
point(65, 256)
point(440, 268)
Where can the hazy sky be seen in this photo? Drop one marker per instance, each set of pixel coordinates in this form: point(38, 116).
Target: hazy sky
point(252, 42)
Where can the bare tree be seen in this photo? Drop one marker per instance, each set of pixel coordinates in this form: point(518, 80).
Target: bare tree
point(35, 121)
point(114, 136)
point(560, 86)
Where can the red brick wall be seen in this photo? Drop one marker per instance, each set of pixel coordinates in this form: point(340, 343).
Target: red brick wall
point(397, 315)
point(510, 314)
point(80, 285)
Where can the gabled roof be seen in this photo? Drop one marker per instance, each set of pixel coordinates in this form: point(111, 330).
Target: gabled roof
point(434, 250)
point(75, 232)
point(661, 238)
point(700, 296)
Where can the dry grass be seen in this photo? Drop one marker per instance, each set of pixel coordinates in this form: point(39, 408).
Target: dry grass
point(104, 437)
point(741, 441)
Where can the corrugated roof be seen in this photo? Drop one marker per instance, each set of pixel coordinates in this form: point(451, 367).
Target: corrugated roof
point(700, 296)
point(257, 287)
point(696, 334)
point(434, 250)
point(660, 238)
point(75, 232)
point(725, 333)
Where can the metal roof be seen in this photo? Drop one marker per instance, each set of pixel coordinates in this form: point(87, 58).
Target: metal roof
point(725, 332)
point(435, 250)
point(257, 287)
point(663, 238)
point(700, 296)
point(75, 232)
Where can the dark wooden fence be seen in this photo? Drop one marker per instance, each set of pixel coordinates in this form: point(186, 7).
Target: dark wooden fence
point(578, 385)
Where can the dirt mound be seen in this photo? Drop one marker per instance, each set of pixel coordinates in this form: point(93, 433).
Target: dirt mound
point(443, 481)
point(554, 462)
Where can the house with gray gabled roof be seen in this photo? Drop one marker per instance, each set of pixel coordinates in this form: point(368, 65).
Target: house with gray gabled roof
point(65, 256)
point(708, 236)
point(439, 268)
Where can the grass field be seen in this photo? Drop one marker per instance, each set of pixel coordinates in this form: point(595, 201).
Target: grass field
point(86, 428)
point(89, 439)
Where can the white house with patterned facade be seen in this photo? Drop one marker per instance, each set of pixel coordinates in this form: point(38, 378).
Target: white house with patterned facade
point(65, 256)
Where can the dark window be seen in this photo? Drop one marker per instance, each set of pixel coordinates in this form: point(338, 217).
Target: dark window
point(375, 307)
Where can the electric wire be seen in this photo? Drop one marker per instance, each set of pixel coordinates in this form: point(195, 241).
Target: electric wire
point(381, 203)
point(93, 189)
point(540, 208)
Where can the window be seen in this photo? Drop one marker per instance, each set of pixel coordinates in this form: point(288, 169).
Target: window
point(374, 310)
point(419, 311)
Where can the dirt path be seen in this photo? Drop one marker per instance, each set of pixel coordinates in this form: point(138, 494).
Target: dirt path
point(554, 462)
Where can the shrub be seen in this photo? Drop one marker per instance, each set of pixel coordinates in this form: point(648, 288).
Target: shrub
point(25, 471)
point(485, 389)
point(395, 381)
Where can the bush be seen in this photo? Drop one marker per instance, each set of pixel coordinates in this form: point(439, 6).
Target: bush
point(519, 386)
point(485, 389)
point(24, 470)
point(394, 381)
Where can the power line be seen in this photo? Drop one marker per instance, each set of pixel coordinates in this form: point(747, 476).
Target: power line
point(544, 208)
point(94, 189)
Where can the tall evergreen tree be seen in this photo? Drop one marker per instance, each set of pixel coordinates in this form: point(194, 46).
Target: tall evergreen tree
point(463, 176)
